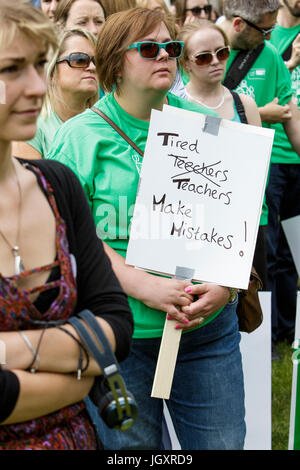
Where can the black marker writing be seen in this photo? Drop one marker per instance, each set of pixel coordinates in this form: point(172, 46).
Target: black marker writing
point(174, 209)
point(183, 230)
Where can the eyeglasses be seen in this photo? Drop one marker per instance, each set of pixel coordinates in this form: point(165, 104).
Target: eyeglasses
point(206, 58)
point(263, 31)
point(196, 11)
point(77, 60)
point(151, 49)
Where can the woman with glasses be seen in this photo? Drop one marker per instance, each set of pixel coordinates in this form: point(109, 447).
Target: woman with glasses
point(136, 57)
point(52, 263)
point(188, 11)
point(204, 59)
point(72, 86)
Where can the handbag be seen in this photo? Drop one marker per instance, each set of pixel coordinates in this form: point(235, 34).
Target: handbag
point(249, 310)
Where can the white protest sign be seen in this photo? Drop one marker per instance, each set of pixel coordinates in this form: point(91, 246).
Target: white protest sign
point(200, 198)
point(291, 228)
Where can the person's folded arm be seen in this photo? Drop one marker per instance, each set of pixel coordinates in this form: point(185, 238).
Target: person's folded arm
point(292, 126)
point(43, 393)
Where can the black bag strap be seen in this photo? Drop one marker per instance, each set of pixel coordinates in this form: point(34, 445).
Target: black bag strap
point(105, 357)
point(240, 66)
point(119, 131)
point(239, 107)
point(286, 55)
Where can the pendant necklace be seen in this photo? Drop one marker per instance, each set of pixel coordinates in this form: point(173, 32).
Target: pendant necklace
point(15, 249)
point(206, 105)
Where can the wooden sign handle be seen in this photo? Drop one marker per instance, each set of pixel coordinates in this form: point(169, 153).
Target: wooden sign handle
point(168, 351)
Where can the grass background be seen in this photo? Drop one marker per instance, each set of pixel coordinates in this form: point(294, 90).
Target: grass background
point(281, 397)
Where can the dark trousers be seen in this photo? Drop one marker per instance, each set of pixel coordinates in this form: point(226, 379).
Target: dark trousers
point(260, 256)
point(283, 200)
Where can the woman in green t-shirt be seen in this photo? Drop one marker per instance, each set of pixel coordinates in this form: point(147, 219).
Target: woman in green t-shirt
point(72, 86)
point(136, 63)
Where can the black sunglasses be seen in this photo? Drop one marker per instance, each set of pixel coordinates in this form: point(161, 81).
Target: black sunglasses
point(263, 31)
point(77, 60)
point(196, 11)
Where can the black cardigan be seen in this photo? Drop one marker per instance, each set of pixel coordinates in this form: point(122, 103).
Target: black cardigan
point(98, 288)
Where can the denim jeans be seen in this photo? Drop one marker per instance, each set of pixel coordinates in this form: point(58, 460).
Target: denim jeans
point(207, 398)
point(283, 200)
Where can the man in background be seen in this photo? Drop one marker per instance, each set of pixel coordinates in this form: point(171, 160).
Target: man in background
point(256, 68)
point(284, 186)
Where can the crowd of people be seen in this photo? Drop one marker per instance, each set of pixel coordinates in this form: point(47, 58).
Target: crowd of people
point(66, 66)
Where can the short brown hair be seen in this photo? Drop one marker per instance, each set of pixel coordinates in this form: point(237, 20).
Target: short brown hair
point(189, 29)
point(114, 6)
point(119, 31)
point(21, 16)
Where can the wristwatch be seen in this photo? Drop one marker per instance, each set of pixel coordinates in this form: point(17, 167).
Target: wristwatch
point(233, 293)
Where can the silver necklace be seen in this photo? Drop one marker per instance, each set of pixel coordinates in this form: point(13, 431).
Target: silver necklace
point(15, 249)
point(206, 105)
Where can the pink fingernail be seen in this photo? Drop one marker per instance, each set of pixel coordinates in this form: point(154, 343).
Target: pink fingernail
point(169, 317)
point(188, 290)
point(186, 322)
point(177, 327)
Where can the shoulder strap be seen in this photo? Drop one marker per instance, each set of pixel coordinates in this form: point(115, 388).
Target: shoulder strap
point(239, 107)
point(286, 55)
point(122, 134)
point(240, 66)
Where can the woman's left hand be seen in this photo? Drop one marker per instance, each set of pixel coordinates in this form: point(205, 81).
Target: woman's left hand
point(210, 298)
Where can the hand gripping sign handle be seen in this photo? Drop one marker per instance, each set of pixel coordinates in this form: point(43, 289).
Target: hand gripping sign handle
point(167, 356)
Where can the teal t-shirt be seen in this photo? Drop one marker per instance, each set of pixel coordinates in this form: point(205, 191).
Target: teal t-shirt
point(46, 129)
point(109, 169)
point(283, 152)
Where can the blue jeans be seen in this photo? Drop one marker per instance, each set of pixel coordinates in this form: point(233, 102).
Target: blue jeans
point(207, 398)
point(283, 200)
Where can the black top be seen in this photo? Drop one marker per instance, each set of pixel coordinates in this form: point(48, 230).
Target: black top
point(97, 286)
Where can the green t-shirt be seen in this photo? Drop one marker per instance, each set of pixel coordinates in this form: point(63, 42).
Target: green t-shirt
point(109, 169)
point(46, 129)
point(267, 79)
point(284, 153)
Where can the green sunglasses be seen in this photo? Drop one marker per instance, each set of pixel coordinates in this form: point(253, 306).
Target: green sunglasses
point(151, 49)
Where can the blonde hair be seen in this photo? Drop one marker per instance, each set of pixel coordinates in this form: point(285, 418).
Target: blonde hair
point(20, 16)
point(190, 29)
point(53, 91)
point(119, 31)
